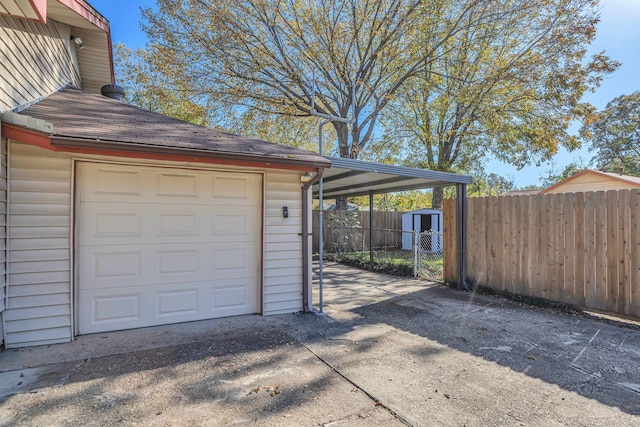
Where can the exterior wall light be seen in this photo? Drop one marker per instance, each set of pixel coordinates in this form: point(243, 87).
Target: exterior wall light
point(78, 42)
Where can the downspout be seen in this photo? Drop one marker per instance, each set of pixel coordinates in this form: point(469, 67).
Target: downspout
point(306, 265)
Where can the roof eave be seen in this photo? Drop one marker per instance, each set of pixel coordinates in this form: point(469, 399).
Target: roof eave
point(92, 144)
point(364, 167)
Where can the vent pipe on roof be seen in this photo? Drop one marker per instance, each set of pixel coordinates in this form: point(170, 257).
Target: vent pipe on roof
point(113, 91)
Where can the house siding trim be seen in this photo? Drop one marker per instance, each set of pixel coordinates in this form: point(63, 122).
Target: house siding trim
point(38, 282)
point(37, 61)
point(281, 276)
point(592, 180)
point(3, 232)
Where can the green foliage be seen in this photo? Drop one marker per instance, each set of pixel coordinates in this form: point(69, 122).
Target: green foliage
point(148, 88)
point(452, 81)
point(532, 187)
point(615, 135)
point(508, 87)
point(489, 185)
point(260, 56)
point(283, 129)
point(398, 263)
point(347, 231)
point(553, 176)
point(470, 76)
point(401, 202)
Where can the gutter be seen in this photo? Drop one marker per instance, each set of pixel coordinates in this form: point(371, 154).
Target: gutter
point(68, 142)
point(306, 256)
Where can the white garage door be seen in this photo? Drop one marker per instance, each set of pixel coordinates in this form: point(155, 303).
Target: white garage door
point(158, 245)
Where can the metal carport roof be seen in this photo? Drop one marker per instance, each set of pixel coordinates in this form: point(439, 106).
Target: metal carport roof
point(348, 178)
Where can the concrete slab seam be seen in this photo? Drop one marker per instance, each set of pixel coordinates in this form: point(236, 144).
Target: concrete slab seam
point(374, 399)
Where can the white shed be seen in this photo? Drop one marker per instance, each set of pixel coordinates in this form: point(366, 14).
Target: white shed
point(419, 221)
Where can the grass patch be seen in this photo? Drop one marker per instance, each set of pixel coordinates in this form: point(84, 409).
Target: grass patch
point(396, 262)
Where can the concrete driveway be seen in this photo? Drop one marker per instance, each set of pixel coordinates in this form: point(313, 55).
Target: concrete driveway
point(388, 351)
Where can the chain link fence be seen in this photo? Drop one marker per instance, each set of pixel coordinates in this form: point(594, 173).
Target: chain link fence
point(405, 253)
point(430, 251)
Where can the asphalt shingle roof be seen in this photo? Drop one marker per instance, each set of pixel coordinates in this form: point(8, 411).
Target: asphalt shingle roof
point(86, 116)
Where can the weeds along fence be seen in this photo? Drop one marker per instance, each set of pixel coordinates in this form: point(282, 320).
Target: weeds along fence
point(581, 249)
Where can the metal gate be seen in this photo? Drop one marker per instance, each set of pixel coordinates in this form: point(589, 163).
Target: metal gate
point(429, 251)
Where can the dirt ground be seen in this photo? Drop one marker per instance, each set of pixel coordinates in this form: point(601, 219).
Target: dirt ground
point(387, 351)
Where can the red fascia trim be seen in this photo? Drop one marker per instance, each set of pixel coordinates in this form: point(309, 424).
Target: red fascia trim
point(113, 73)
point(26, 136)
point(38, 139)
point(87, 12)
point(40, 7)
point(26, 18)
point(176, 158)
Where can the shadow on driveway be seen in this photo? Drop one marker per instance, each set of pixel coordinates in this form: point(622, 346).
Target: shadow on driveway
point(389, 351)
point(598, 360)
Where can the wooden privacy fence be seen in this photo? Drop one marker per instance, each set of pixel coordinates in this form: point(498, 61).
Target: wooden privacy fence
point(382, 220)
point(577, 248)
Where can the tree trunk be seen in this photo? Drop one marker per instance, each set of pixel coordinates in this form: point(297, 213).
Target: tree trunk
point(438, 195)
point(342, 131)
point(341, 203)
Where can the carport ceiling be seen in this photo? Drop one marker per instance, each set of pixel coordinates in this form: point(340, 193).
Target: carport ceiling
point(348, 178)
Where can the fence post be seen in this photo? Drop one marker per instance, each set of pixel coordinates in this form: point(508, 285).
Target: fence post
point(461, 208)
point(371, 260)
point(416, 254)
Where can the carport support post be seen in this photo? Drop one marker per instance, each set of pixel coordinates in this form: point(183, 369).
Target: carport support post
point(371, 231)
point(461, 235)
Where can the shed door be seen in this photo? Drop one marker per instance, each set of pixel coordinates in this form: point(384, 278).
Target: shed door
point(157, 245)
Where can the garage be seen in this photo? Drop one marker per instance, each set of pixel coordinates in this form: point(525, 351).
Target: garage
point(165, 245)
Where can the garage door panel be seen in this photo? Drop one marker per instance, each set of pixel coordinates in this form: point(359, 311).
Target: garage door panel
point(108, 182)
point(174, 184)
point(124, 184)
point(178, 262)
point(177, 224)
point(234, 221)
point(177, 303)
point(232, 261)
point(234, 297)
point(227, 187)
point(112, 266)
point(109, 223)
point(102, 222)
point(174, 246)
point(113, 309)
point(146, 265)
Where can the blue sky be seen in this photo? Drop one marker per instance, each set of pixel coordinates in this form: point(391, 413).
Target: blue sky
point(618, 34)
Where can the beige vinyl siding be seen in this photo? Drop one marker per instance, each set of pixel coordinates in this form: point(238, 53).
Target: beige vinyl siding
point(35, 61)
point(283, 244)
point(91, 59)
point(592, 182)
point(39, 281)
